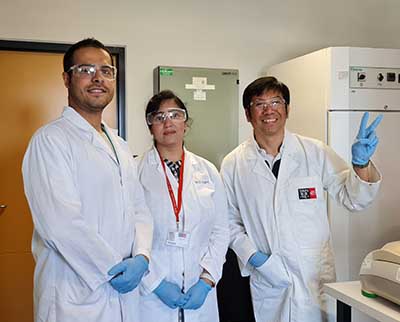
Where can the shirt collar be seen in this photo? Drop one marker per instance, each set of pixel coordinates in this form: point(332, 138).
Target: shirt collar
point(270, 158)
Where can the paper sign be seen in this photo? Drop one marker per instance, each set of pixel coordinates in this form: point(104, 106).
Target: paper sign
point(199, 95)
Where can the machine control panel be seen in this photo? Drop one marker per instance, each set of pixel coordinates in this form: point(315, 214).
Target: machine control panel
point(374, 77)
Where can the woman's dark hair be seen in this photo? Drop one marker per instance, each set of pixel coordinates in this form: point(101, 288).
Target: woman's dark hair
point(154, 104)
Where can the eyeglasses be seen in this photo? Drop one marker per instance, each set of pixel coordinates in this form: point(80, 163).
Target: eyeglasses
point(175, 115)
point(274, 103)
point(89, 70)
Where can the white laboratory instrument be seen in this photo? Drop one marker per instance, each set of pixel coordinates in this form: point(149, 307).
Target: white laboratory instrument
point(380, 273)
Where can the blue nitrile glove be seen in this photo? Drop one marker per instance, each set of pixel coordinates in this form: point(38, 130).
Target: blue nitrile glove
point(258, 259)
point(366, 141)
point(128, 273)
point(196, 295)
point(170, 294)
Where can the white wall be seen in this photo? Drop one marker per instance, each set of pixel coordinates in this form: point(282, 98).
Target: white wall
point(247, 35)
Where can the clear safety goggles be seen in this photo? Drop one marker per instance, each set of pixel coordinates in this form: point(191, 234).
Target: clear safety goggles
point(174, 114)
point(273, 103)
point(89, 70)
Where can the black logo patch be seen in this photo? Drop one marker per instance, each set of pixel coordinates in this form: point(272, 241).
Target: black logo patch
point(307, 193)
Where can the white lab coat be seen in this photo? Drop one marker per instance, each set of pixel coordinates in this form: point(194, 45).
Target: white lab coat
point(205, 217)
point(267, 214)
point(89, 214)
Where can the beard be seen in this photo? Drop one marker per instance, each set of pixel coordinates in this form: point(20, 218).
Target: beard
point(90, 104)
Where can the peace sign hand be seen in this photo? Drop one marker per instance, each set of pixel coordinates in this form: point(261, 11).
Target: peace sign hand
point(366, 141)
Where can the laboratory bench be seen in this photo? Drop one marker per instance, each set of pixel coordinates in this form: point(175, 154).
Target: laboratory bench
point(348, 295)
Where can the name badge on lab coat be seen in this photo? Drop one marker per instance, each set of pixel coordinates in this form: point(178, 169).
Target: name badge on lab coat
point(178, 239)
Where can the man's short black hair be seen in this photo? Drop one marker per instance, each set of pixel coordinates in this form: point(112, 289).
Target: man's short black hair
point(68, 61)
point(263, 85)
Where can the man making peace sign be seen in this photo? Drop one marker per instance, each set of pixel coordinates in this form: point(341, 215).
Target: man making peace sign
point(275, 184)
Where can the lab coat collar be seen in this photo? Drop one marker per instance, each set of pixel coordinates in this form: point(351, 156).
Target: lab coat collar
point(155, 159)
point(290, 158)
point(267, 156)
point(73, 116)
point(190, 163)
point(255, 150)
point(256, 161)
point(90, 132)
point(113, 135)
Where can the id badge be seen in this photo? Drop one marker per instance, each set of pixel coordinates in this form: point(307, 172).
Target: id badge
point(178, 239)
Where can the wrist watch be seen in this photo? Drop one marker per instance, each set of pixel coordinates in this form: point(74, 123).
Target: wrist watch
point(209, 277)
point(361, 166)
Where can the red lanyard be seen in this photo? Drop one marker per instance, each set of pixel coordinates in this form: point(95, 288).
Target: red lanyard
point(177, 207)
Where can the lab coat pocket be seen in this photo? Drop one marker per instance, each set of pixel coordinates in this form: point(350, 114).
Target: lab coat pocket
point(308, 210)
point(305, 193)
point(273, 272)
point(75, 291)
point(90, 306)
point(271, 307)
point(268, 285)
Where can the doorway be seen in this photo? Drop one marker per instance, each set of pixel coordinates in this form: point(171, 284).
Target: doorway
point(33, 94)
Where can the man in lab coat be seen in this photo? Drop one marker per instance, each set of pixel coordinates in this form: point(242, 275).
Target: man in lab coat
point(275, 185)
point(92, 230)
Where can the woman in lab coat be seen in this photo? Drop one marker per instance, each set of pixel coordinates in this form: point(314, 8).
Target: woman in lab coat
point(186, 196)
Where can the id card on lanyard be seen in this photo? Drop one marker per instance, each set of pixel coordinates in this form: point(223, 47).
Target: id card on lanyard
point(176, 238)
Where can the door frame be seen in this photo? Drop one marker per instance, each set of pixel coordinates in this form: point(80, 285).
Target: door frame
point(61, 48)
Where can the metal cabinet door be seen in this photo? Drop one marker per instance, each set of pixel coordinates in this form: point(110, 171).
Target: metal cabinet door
point(211, 97)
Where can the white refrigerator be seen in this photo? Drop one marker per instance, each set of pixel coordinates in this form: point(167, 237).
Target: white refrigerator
point(330, 90)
